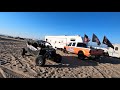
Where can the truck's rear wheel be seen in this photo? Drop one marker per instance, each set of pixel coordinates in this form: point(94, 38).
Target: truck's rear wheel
point(81, 55)
point(97, 58)
point(40, 61)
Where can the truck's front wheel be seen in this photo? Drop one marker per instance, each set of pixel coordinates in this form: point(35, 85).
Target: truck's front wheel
point(81, 55)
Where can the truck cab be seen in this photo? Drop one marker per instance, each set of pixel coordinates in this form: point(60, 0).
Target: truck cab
point(115, 53)
point(83, 50)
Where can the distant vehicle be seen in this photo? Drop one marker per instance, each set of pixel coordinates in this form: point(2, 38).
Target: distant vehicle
point(60, 41)
point(83, 51)
point(112, 52)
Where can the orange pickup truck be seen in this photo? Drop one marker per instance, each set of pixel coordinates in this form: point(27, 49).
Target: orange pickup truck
point(82, 50)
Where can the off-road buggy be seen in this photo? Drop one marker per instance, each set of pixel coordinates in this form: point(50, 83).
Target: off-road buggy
point(46, 52)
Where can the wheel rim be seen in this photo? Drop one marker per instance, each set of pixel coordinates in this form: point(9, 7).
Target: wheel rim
point(39, 62)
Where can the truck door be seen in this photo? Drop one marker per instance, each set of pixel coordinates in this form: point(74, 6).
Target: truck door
point(70, 48)
point(73, 47)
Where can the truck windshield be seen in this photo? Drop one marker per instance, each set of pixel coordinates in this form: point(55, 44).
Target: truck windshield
point(81, 45)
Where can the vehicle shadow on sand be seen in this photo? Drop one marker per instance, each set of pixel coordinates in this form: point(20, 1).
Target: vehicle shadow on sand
point(109, 60)
point(73, 62)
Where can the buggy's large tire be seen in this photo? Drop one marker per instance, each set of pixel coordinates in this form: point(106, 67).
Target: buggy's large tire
point(58, 58)
point(81, 55)
point(40, 60)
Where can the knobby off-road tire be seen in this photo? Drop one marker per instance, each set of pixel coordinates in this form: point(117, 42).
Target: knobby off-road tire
point(40, 60)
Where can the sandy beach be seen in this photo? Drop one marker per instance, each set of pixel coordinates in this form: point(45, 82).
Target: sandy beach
point(13, 65)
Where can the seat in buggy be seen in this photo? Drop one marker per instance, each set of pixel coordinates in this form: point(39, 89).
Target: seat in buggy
point(31, 49)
